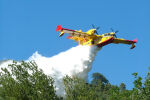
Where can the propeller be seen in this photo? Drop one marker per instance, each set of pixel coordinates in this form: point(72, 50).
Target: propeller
point(115, 35)
point(114, 32)
point(97, 28)
point(112, 29)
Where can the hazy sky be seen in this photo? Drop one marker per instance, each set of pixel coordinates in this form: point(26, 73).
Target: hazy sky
point(27, 26)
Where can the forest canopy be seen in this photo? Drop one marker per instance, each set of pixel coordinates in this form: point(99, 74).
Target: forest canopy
point(26, 82)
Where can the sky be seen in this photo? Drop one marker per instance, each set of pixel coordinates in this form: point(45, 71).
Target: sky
point(27, 26)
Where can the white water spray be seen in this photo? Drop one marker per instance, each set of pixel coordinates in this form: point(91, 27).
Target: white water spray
point(76, 61)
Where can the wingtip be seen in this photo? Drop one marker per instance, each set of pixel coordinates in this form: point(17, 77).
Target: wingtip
point(58, 28)
point(69, 37)
point(135, 40)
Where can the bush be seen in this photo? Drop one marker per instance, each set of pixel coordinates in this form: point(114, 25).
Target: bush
point(25, 81)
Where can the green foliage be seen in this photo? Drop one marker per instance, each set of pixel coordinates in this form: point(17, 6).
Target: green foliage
point(98, 77)
point(101, 89)
point(78, 89)
point(122, 87)
point(25, 82)
point(141, 90)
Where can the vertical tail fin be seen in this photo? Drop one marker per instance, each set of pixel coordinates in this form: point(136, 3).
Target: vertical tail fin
point(59, 28)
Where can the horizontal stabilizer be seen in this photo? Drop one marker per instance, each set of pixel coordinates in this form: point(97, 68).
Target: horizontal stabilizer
point(61, 34)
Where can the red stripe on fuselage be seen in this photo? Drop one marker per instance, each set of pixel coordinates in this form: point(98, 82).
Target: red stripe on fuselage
point(105, 42)
point(68, 29)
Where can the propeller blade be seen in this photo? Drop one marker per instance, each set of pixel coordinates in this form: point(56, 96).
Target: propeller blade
point(97, 28)
point(116, 31)
point(96, 33)
point(115, 35)
point(112, 29)
point(93, 26)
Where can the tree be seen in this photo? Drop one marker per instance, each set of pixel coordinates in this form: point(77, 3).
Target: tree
point(141, 90)
point(78, 89)
point(100, 89)
point(98, 77)
point(122, 87)
point(25, 82)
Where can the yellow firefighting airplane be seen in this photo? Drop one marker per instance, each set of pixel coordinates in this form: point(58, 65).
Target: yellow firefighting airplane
point(90, 38)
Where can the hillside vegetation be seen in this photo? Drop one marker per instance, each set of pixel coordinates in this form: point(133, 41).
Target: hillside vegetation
point(26, 82)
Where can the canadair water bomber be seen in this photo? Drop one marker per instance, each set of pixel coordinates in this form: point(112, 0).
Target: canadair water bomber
point(91, 37)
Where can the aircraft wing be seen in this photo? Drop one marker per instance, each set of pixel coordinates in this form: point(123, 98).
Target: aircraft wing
point(117, 40)
point(71, 32)
point(123, 41)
